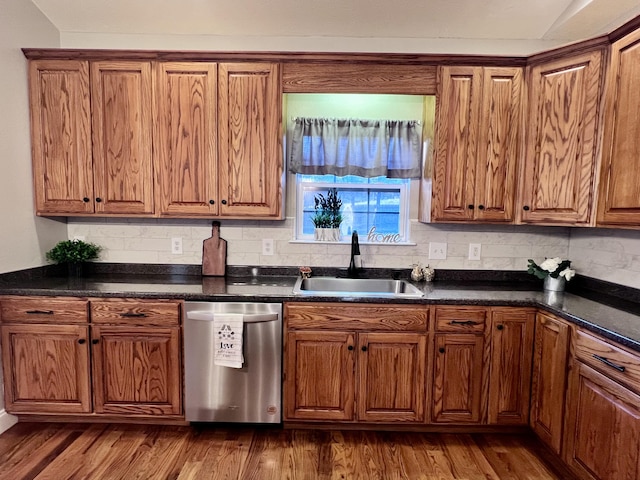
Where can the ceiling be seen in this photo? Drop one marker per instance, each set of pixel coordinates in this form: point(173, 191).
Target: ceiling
point(505, 20)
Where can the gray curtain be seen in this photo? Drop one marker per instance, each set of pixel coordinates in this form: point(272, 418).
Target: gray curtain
point(367, 148)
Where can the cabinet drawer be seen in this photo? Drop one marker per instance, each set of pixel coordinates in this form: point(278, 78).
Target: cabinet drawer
point(341, 316)
point(604, 357)
point(135, 312)
point(44, 310)
point(461, 319)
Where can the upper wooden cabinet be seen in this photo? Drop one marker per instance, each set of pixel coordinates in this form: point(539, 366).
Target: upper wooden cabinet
point(558, 177)
point(619, 199)
point(218, 139)
point(478, 128)
point(61, 136)
point(122, 129)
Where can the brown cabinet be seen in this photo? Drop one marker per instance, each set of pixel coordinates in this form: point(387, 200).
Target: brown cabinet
point(551, 348)
point(478, 129)
point(602, 428)
point(558, 176)
point(218, 139)
point(619, 198)
point(61, 136)
point(134, 347)
point(510, 371)
point(338, 368)
point(122, 148)
point(46, 368)
point(460, 370)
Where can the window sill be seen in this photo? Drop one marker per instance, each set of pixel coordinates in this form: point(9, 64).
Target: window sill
point(347, 241)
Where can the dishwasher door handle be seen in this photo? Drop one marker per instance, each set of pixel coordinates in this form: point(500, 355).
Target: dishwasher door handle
point(246, 317)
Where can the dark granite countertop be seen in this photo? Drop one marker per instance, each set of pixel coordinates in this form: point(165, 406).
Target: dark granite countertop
point(615, 317)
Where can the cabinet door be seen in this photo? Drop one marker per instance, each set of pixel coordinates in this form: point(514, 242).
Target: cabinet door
point(603, 427)
point(249, 134)
point(320, 378)
point(136, 370)
point(122, 151)
point(560, 159)
point(498, 144)
point(186, 138)
point(511, 354)
point(549, 379)
point(391, 377)
point(458, 378)
point(46, 368)
point(457, 117)
point(619, 200)
point(61, 136)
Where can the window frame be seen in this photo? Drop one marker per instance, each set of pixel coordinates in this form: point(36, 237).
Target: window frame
point(321, 187)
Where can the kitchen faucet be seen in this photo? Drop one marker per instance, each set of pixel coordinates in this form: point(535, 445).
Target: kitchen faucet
point(354, 264)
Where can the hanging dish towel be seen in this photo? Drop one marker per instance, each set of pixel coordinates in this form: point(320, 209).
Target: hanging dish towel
point(228, 347)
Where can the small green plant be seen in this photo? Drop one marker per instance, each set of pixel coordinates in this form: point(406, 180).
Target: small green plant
point(73, 251)
point(327, 210)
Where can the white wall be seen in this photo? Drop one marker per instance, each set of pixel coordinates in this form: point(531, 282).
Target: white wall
point(24, 238)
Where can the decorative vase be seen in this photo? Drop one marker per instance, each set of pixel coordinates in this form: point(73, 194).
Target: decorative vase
point(327, 234)
point(554, 284)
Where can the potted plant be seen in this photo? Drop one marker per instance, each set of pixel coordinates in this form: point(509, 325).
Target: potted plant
point(74, 253)
point(554, 271)
point(327, 217)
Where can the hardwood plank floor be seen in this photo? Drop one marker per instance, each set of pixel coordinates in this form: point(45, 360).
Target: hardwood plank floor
point(108, 451)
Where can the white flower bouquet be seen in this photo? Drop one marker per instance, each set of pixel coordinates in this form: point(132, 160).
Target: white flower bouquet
point(552, 267)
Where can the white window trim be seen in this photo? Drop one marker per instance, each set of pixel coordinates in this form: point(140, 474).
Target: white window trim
point(404, 228)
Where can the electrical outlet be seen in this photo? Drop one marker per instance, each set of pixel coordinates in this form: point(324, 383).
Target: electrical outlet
point(176, 245)
point(267, 246)
point(475, 249)
point(437, 251)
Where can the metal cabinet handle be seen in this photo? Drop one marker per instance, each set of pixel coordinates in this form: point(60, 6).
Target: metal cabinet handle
point(480, 207)
point(211, 202)
point(95, 341)
point(81, 341)
point(462, 322)
point(526, 208)
point(500, 327)
point(39, 312)
point(224, 202)
point(608, 362)
point(364, 348)
point(470, 207)
point(441, 349)
point(133, 315)
point(350, 347)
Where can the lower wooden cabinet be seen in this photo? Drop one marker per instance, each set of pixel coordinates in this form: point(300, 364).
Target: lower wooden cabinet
point(551, 349)
point(46, 368)
point(603, 427)
point(124, 361)
point(349, 372)
point(136, 370)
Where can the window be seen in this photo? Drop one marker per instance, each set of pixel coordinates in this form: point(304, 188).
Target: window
point(377, 208)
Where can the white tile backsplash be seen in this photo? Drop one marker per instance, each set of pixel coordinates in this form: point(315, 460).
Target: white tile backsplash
point(149, 241)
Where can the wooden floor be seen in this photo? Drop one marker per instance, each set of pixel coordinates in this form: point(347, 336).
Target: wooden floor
point(64, 451)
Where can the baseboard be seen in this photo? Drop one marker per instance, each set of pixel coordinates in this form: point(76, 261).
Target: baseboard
point(6, 421)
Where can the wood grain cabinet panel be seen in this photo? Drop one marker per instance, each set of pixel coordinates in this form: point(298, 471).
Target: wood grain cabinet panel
point(249, 136)
point(121, 113)
point(477, 143)
point(619, 198)
point(510, 370)
point(603, 427)
point(186, 138)
point(61, 136)
point(136, 370)
point(320, 376)
point(391, 369)
point(558, 178)
point(46, 368)
point(548, 390)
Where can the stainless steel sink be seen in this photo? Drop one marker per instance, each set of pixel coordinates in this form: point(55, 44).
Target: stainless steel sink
point(356, 287)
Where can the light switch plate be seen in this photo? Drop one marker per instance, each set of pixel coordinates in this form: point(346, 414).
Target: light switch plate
point(475, 249)
point(176, 245)
point(267, 246)
point(437, 251)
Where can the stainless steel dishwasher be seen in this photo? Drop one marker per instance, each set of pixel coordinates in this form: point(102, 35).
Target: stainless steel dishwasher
point(251, 394)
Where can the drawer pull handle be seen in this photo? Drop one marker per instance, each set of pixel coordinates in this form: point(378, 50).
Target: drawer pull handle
point(606, 361)
point(40, 312)
point(133, 315)
point(95, 341)
point(350, 347)
point(364, 348)
point(461, 322)
point(441, 349)
point(81, 341)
